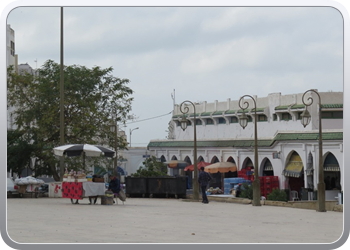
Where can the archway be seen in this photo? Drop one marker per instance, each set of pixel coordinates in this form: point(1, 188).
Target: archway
point(216, 181)
point(188, 173)
point(310, 172)
point(231, 174)
point(248, 164)
point(214, 160)
point(331, 172)
point(267, 168)
point(294, 173)
point(162, 159)
point(174, 171)
point(200, 158)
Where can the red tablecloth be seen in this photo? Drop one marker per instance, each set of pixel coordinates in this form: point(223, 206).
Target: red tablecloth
point(72, 190)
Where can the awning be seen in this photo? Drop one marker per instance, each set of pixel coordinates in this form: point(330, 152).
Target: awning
point(268, 167)
point(309, 171)
point(176, 164)
point(199, 165)
point(222, 167)
point(293, 169)
point(331, 167)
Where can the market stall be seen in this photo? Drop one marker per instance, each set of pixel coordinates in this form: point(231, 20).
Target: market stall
point(221, 167)
point(30, 185)
point(76, 186)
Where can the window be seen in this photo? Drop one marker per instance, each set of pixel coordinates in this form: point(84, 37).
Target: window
point(299, 115)
point(332, 115)
point(234, 119)
point(274, 117)
point(12, 48)
point(222, 121)
point(262, 118)
point(198, 122)
point(210, 122)
point(286, 116)
point(338, 114)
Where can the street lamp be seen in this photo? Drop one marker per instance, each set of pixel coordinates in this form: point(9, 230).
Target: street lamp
point(305, 120)
point(131, 133)
point(243, 121)
point(114, 128)
point(184, 110)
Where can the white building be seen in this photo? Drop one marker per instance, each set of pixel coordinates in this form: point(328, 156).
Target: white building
point(11, 57)
point(286, 149)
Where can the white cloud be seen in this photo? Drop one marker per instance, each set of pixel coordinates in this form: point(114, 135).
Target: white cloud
point(204, 53)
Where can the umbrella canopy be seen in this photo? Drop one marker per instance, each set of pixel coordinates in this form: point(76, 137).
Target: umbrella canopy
point(176, 164)
point(222, 167)
point(199, 165)
point(87, 149)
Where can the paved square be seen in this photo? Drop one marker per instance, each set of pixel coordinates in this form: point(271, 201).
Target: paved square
point(144, 220)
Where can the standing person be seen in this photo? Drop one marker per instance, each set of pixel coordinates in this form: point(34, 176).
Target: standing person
point(238, 190)
point(203, 180)
point(114, 185)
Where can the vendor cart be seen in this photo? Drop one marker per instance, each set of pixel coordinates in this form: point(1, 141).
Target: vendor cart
point(30, 185)
point(30, 188)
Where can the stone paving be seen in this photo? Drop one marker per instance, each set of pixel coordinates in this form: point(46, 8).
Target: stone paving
point(168, 220)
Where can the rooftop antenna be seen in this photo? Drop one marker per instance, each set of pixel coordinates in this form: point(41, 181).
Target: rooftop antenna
point(173, 97)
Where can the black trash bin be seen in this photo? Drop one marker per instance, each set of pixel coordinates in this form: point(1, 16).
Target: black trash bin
point(167, 186)
point(136, 186)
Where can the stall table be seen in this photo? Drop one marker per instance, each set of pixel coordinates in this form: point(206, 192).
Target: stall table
point(79, 190)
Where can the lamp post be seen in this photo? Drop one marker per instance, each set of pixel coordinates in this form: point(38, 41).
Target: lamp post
point(305, 120)
point(184, 110)
point(131, 133)
point(243, 121)
point(114, 128)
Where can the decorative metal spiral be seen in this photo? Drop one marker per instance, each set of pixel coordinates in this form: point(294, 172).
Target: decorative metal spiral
point(310, 99)
point(245, 103)
point(185, 109)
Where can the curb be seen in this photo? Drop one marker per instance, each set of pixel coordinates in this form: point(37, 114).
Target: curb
point(330, 205)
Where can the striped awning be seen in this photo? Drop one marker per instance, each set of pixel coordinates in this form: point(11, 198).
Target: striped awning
point(293, 169)
point(331, 168)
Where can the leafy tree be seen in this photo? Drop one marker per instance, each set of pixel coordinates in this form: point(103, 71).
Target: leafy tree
point(93, 99)
point(151, 168)
point(19, 151)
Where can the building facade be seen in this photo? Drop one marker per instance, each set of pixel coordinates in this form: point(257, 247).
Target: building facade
point(285, 148)
point(11, 57)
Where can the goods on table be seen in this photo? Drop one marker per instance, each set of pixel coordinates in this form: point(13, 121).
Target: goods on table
point(28, 184)
point(212, 190)
point(29, 180)
point(79, 176)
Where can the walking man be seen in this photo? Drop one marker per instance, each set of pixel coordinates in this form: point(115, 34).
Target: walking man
point(203, 179)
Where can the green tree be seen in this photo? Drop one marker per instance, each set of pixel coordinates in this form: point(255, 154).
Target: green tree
point(93, 99)
point(151, 168)
point(19, 151)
